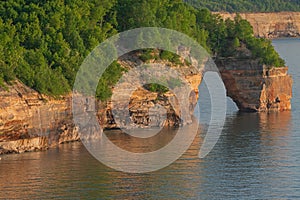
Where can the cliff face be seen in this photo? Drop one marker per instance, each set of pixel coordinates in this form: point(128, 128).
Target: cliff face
point(145, 106)
point(31, 122)
point(272, 25)
point(254, 87)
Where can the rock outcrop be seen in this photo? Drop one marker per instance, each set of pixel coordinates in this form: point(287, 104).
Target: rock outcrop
point(30, 121)
point(146, 108)
point(255, 87)
point(271, 25)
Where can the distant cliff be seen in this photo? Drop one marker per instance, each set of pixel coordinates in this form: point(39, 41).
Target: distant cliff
point(272, 25)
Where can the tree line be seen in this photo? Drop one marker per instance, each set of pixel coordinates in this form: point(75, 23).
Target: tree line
point(43, 43)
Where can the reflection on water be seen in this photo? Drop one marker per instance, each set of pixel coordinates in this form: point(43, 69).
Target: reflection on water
point(253, 158)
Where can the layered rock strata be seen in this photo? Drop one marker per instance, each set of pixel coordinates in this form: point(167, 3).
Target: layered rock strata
point(30, 121)
point(255, 87)
point(146, 108)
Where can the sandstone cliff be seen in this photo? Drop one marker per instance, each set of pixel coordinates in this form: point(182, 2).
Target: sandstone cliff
point(271, 25)
point(30, 121)
point(143, 104)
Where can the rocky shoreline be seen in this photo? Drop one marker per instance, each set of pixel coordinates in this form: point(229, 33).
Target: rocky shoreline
point(30, 121)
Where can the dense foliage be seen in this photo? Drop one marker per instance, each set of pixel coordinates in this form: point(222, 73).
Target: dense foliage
point(233, 39)
point(43, 43)
point(247, 5)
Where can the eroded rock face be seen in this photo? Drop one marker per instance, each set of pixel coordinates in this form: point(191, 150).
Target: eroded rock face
point(272, 25)
point(152, 109)
point(254, 87)
point(29, 121)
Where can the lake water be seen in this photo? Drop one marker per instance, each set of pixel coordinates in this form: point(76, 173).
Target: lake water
point(256, 157)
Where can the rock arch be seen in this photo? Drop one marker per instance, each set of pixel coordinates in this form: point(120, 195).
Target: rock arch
point(255, 87)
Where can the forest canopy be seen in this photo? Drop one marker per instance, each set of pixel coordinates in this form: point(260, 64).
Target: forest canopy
point(43, 43)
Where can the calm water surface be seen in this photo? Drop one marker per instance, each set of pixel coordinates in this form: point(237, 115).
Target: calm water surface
point(257, 157)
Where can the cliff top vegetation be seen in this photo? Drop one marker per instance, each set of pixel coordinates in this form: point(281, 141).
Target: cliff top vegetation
point(43, 43)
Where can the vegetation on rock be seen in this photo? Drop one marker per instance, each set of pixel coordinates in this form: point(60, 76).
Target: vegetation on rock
point(43, 43)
